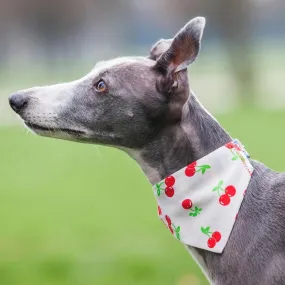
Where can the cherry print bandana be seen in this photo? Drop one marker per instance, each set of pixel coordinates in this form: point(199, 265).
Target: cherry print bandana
point(200, 202)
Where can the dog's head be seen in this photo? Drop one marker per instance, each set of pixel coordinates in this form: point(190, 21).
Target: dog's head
point(123, 102)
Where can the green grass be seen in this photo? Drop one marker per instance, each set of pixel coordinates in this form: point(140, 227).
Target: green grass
point(74, 214)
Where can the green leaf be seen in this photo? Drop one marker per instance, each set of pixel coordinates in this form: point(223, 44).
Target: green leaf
point(158, 192)
point(195, 215)
point(204, 230)
point(207, 230)
point(178, 229)
point(196, 209)
point(191, 214)
point(220, 182)
point(200, 209)
point(215, 189)
point(178, 236)
point(204, 168)
point(235, 158)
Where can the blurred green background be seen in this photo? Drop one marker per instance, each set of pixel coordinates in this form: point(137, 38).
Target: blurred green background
point(80, 214)
point(75, 214)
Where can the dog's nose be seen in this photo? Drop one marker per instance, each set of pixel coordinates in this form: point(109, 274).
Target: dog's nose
point(18, 102)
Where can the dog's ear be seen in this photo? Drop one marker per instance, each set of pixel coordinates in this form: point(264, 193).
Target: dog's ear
point(183, 49)
point(159, 48)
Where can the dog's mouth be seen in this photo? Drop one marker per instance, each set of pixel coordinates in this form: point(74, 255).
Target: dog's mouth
point(36, 128)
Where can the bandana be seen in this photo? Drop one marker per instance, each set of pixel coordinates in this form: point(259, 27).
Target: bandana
point(199, 203)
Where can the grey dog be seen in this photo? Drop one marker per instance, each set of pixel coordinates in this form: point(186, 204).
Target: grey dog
point(145, 107)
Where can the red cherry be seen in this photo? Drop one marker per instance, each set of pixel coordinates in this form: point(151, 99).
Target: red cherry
point(187, 204)
point(230, 190)
point(217, 236)
point(190, 172)
point(225, 200)
point(237, 147)
point(169, 181)
point(230, 145)
point(171, 229)
point(168, 220)
point(159, 210)
point(192, 165)
point(211, 242)
point(169, 191)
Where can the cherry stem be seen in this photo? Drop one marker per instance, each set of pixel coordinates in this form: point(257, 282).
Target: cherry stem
point(234, 154)
point(220, 188)
point(208, 234)
point(158, 186)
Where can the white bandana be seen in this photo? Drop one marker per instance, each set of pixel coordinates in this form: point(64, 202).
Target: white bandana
point(199, 203)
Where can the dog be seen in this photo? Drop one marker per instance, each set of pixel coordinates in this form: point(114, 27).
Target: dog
point(145, 107)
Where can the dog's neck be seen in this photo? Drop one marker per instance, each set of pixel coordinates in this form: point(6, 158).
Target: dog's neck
point(177, 145)
point(195, 136)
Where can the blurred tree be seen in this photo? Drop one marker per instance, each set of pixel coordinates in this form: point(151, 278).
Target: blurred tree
point(5, 10)
point(233, 19)
point(55, 23)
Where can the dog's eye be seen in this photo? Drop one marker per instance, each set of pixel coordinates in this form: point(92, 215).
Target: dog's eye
point(101, 86)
